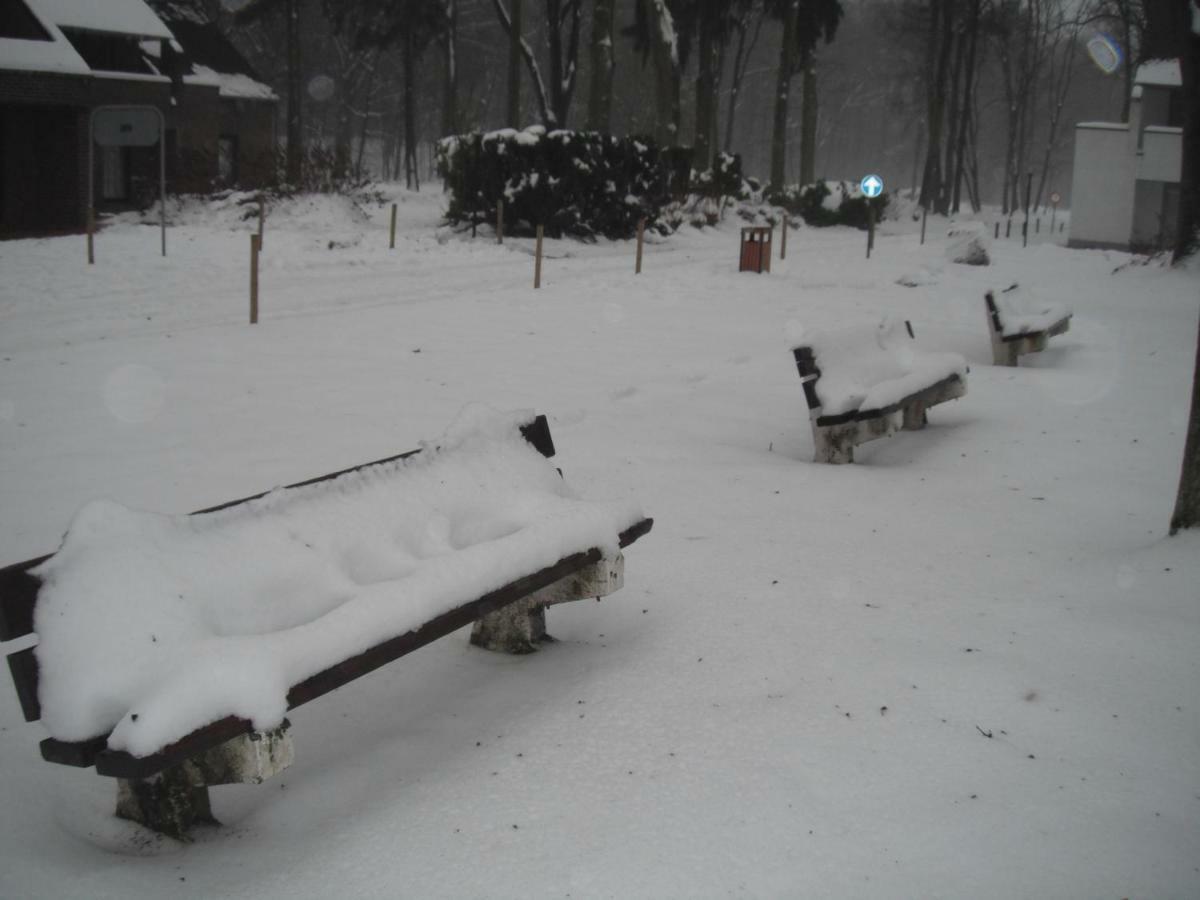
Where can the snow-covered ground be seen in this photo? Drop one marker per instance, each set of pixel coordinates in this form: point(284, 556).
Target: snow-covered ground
point(964, 666)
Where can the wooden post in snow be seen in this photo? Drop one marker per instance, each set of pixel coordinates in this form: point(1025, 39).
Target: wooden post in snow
point(91, 231)
point(255, 246)
point(500, 221)
point(262, 214)
point(537, 261)
point(641, 236)
point(783, 239)
point(924, 216)
point(392, 241)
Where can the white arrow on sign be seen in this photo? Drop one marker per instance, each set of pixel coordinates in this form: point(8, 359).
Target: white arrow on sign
point(871, 186)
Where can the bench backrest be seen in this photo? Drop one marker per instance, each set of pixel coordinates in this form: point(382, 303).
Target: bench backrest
point(858, 352)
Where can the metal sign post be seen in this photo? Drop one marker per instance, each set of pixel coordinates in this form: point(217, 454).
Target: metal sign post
point(128, 126)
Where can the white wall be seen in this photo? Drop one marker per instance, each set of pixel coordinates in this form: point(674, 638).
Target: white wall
point(1102, 185)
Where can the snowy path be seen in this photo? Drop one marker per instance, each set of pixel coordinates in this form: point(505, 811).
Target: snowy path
point(787, 699)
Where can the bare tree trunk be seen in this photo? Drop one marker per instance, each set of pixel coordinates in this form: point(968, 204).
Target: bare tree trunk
point(968, 102)
point(295, 95)
point(941, 37)
point(1187, 501)
point(564, 58)
point(1187, 234)
point(740, 61)
point(514, 67)
point(450, 75)
point(412, 178)
point(706, 94)
point(808, 119)
point(783, 86)
point(665, 53)
point(603, 66)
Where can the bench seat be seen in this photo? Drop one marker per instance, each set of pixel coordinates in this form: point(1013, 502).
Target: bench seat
point(1018, 325)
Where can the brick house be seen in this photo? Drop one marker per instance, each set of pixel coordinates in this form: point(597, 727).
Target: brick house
point(60, 59)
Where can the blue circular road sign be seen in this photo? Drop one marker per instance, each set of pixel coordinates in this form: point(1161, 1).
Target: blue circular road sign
point(871, 186)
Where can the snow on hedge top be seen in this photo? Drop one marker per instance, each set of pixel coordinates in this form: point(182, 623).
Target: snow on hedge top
point(119, 16)
point(154, 625)
point(1021, 311)
point(866, 367)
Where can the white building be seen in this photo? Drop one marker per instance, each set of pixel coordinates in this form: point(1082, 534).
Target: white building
point(1125, 187)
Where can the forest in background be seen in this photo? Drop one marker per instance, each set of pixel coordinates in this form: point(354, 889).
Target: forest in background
point(957, 98)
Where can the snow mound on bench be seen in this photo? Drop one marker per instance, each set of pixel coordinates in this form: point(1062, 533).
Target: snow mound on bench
point(154, 625)
point(866, 367)
point(1022, 311)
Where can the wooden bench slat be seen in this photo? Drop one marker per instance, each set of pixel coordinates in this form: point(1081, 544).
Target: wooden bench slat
point(81, 754)
point(120, 764)
point(23, 666)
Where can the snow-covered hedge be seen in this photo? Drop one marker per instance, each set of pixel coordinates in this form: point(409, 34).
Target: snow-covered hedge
point(576, 183)
point(826, 203)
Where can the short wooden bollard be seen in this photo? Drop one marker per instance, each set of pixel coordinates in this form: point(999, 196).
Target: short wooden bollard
point(255, 247)
point(499, 221)
point(997, 235)
point(1008, 228)
point(924, 216)
point(783, 238)
point(392, 240)
point(1037, 226)
point(641, 237)
point(537, 261)
point(91, 231)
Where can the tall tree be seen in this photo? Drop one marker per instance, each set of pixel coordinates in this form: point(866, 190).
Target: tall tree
point(656, 37)
point(805, 24)
point(253, 11)
point(748, 14)
point(1173, 30)
point(413, 24)
point(600, 91)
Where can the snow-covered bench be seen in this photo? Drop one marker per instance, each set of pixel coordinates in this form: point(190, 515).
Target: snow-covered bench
point(1018, 325)
point(171, 647)
point(863, 382)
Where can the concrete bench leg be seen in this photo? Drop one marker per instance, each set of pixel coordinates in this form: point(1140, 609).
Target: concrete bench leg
point(521, 626)
point(915, 417)
point(167, 803)
point(833, 444)
point(176, 799)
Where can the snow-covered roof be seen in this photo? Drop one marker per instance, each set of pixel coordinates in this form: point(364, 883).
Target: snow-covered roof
point(1159, 73)
point(53, 55)
point(132, 17)
point(232, 85)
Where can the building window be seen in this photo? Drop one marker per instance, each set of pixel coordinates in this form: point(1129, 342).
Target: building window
point(17, 21)
point(227, 158)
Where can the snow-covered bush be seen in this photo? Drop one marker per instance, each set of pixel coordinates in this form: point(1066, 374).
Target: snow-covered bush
point(724, 179)
point(968, 244)
point(581, 184)
point(818, 203)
